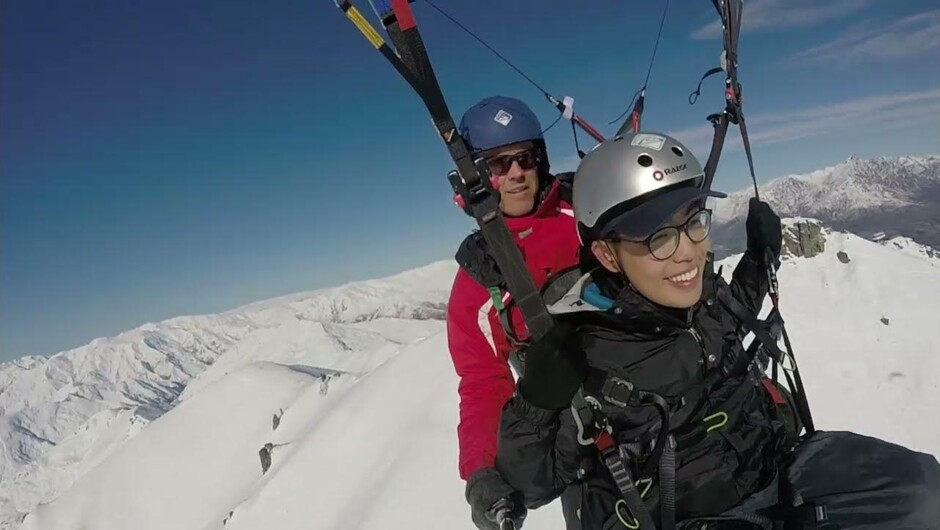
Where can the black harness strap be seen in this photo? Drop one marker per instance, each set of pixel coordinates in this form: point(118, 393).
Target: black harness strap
point(667, 485)
point(751, 323)
point(766, 339)
point(471, 179)
point(731, 12)
point(638, 517)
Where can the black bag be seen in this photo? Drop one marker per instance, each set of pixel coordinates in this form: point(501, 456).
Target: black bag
point(836, 480)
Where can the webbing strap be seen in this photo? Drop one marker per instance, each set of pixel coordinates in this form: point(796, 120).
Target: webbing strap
point(616, 458)
point(755, 326)
point(468, 180)
point(650, 398)
point(770, 344)
point(667, 486)
point(731, 15)
point(376, 41)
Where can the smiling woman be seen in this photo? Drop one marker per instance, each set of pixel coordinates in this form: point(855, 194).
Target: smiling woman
point(646, 334)
point(645, 396)
point(665, 267)
point(640, 206)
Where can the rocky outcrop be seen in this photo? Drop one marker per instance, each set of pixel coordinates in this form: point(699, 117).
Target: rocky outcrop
point(803, 239)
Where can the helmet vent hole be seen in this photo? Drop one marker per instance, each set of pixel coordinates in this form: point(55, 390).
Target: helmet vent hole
point(645, 160)
point(677, 150)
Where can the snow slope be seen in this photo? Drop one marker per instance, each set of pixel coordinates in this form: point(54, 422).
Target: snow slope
point(860, 373)
point(376, 449)
point(60, 416)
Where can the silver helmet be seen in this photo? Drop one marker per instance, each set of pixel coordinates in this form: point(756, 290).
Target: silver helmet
point(631, 185)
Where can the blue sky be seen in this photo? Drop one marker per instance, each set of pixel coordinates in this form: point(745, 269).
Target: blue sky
point(168, 158)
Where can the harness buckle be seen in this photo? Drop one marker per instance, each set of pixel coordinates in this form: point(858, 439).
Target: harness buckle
point(617, 391)
point(590, 408)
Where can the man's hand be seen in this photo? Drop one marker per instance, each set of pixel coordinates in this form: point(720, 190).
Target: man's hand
point(492, 499)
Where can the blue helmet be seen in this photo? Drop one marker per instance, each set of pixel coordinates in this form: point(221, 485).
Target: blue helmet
point(497, 121)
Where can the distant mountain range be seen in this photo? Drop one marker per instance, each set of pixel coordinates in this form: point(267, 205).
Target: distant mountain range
point(878, 198)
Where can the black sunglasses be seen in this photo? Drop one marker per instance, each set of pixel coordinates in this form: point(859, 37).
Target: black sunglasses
point(500, 165)
point(664, 242)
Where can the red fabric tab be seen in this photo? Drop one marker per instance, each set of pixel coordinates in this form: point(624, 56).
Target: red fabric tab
point(604, 441)
point(774, 392)
point(406, 20)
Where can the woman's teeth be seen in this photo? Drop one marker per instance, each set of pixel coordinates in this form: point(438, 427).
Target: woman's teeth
point(685, 276)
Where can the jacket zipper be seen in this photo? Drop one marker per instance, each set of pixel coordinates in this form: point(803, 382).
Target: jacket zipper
point(696, 336)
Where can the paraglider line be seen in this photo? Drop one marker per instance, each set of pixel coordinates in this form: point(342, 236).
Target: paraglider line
point(649, 70)
point(490, 48)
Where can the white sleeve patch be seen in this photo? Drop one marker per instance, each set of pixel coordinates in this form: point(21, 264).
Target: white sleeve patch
point(483, 322)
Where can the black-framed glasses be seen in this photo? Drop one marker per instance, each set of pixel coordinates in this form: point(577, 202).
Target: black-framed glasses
point(664, 242)
point(500, 165)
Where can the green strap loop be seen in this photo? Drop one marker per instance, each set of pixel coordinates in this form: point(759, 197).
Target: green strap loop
point(724, 420)
point(633, 524)
point(497, 297)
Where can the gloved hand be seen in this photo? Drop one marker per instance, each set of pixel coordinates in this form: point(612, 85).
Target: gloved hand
point(763, 231)
point(490, 497)
point(555, 367)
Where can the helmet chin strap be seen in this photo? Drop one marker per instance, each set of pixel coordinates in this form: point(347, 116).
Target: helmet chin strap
point(616, 261)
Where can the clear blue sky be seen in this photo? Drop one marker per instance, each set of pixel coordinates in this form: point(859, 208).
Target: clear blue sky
point(169, 158)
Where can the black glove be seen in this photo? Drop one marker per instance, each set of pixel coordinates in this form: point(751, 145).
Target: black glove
point(491, 498)
point(763, 231)
point(555, 367)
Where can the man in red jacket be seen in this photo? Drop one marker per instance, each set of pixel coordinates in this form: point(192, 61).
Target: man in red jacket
point(484, 329)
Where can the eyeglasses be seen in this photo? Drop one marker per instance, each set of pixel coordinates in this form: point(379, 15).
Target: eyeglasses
point(500, 165)
point(664, 242)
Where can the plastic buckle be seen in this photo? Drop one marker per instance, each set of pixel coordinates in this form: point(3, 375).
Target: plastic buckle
point(484, 189)
point(617, 391)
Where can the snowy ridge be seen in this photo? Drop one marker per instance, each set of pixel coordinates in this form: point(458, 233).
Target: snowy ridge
point(909, 246)
point(56, 412)
point(874, 198)
point(376, 450)
point(840, 191)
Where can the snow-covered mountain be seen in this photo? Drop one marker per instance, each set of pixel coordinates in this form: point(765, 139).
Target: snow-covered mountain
point(887, 196)
point(908, 245)
point(376, 448)
point(61, 416)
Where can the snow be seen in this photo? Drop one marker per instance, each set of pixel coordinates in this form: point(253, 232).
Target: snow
point(861, 374)
point(189, 462)
point(379, 452)
point(59, 416)
point(372, 445)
